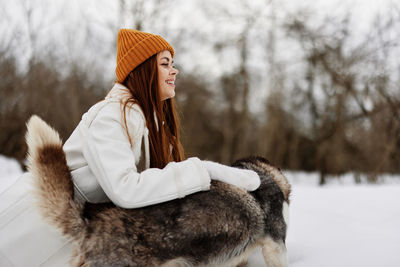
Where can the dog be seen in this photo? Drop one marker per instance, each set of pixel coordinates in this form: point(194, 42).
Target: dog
point(219, 227)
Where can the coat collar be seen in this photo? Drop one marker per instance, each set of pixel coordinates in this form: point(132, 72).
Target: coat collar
point(121, 92)
point(118, 91)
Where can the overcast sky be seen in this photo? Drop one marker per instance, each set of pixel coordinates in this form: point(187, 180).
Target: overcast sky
point(84, 30)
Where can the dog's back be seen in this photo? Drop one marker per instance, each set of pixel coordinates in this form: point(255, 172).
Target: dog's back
point(217, 227)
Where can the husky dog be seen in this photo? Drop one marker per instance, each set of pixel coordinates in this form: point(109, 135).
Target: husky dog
point(220, 227)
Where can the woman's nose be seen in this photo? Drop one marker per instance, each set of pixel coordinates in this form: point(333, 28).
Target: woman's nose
point(174, 71)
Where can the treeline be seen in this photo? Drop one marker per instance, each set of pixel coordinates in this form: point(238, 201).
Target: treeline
point(43, 90)
point(333, 108)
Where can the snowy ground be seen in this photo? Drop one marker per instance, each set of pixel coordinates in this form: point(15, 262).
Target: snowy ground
point(341, 224)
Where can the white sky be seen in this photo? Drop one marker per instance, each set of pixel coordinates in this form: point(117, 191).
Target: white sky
point(84, 30)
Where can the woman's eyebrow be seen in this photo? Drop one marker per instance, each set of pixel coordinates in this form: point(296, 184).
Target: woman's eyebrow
point(167, 59)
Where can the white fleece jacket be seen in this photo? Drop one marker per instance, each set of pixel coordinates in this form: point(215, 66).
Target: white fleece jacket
point(104, 165)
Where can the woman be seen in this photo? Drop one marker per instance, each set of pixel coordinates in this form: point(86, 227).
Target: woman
point(126, 149)
point(104, 151)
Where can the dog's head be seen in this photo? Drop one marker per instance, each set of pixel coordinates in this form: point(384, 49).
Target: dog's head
point(263, 167)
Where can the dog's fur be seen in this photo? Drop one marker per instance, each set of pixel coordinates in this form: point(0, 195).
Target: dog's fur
point(219, 227)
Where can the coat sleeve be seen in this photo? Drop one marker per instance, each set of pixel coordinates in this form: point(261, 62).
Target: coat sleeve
point(109, 156)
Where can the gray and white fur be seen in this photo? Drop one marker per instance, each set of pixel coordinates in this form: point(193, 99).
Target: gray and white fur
point(220, 227)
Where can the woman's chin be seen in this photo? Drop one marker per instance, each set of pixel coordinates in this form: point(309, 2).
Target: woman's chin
point(170, 95)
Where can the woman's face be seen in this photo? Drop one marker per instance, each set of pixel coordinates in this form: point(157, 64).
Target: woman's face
point(166, 75)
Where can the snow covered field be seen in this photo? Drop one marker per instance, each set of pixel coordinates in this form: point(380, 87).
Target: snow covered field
point(341, 224)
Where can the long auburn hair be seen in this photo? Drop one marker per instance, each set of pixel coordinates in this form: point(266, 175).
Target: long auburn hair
point(165, 145)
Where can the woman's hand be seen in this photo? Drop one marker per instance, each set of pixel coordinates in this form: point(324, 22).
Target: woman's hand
point(246, 179)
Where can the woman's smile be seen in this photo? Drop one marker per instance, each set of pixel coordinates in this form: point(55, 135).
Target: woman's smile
point(171, 82)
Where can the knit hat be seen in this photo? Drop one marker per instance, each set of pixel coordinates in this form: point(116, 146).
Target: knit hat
point(134, 47)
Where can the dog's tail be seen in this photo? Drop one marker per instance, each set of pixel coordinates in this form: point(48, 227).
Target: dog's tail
point(53, 185)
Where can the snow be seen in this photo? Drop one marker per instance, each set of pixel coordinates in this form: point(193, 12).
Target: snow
point(10, 170)
point(343, 226)
point(340, 224)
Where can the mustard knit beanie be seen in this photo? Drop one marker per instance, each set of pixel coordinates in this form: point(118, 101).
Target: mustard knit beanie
point(134, 47)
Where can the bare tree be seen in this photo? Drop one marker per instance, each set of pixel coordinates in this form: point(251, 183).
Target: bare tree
point(337, 75)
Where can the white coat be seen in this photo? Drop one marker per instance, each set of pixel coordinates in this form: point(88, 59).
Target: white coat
point(26, 240)
point(104, 165)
